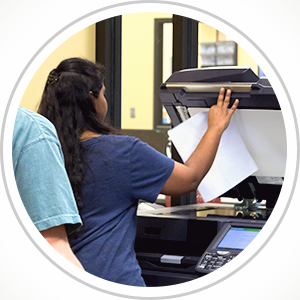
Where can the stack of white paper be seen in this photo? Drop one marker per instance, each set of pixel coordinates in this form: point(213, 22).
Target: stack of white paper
point(233, 162)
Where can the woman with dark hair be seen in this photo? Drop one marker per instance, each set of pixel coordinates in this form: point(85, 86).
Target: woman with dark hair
point(109, 173)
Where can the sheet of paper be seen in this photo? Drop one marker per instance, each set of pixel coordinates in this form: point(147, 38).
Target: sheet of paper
point(233, 162)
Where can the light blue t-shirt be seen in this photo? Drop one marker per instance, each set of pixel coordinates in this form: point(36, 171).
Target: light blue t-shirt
point(40, 174)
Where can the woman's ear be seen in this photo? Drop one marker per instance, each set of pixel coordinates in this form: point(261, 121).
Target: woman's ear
point(92, 97)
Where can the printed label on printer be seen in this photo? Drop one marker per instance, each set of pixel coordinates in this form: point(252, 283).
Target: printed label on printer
point(269, 180)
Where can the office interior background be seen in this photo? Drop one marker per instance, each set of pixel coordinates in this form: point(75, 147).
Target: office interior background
point(139, 52)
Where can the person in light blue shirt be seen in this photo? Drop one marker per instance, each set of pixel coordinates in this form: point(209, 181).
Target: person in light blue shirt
point(42, 180)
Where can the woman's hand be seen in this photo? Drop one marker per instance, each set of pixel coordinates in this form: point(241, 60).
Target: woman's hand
point(219, 115)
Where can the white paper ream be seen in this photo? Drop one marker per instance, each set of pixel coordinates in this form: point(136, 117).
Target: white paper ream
point(233, 162)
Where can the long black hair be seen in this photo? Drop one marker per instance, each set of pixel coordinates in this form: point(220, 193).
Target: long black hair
point(67, 102)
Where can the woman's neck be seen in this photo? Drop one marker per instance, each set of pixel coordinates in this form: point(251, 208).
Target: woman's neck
point(87, 135)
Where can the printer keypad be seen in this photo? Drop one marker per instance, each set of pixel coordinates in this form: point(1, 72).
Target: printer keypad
point(213, 261)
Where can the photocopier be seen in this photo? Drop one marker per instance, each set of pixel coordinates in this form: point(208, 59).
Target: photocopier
point(181, 243)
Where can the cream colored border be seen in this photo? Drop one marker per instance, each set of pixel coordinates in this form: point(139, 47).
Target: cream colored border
point(27, 274)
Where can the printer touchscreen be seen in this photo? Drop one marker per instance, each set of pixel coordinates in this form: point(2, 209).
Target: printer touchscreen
point(238, 238)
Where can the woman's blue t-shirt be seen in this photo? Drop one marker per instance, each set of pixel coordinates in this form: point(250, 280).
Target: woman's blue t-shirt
point(121, 170)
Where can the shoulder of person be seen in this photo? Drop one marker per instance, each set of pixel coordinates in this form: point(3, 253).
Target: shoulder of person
point(30, 128)
point(35, 122)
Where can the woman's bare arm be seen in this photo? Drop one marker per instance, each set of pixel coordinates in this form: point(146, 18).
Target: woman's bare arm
point(57, 238)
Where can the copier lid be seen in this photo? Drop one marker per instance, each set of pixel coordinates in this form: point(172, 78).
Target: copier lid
point(200, 88)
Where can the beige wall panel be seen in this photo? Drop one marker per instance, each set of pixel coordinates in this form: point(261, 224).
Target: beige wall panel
point(82, 44)
point(138, 69)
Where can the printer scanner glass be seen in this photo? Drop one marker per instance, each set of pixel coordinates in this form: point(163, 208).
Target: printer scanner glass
point(203, 212)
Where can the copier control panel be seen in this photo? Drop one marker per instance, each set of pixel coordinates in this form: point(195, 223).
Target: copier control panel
point(231, 240)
